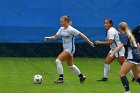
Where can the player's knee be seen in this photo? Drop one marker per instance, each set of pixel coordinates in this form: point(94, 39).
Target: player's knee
point(71, 66)
point(57, 61)
point(107, 62)
point(138, 75)
point(121, 74)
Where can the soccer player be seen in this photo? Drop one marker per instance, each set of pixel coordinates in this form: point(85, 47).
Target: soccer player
point(67, 33)
point(136, 33)
point(133, 57)
point(113, 41)
point(125, 39)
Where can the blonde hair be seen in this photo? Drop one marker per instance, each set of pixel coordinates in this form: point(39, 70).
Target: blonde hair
point(124, 28)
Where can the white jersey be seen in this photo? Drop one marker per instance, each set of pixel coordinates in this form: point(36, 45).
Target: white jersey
point(67, 36)
point(112, 34)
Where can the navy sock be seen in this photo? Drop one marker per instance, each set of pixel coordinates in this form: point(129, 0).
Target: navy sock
point(138, 80)
point(125, 83)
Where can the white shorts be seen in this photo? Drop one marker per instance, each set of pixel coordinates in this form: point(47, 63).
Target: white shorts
point(120, 53)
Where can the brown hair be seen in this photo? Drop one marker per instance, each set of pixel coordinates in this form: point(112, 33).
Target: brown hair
point(67, 18)
point(110, 21)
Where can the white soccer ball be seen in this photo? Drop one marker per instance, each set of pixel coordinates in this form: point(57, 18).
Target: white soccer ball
point(37, 79)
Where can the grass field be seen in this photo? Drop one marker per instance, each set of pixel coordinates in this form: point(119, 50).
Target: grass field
point(16, 76)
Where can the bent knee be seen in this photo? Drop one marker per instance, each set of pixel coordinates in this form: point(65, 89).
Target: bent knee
point(107, 62)
point(121, 74)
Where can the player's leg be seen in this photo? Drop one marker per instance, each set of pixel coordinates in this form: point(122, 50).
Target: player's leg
point(126, 67)
point(136, 71)
point(108, 60)
point(75, 69)
point(139, 66)
point(121, 59)
point(64, 55)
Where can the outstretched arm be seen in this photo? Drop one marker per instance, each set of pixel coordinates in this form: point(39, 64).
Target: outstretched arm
point(52, 37)
point(109, 42)
point(86, 39)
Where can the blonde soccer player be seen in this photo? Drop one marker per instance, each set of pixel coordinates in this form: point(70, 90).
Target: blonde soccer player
point(133, 58)
point(68, 33)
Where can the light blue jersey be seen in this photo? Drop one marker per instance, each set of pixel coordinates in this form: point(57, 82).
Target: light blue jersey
point(67, 36)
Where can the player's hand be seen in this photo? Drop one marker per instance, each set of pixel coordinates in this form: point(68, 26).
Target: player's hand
point(97, 42)
point(91, 44)
point(111, 55)
point(47, 38)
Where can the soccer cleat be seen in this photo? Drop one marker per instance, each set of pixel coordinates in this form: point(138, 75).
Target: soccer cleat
point(82, 79)
point(134, 80)
point(103, 79)
point(58, 81)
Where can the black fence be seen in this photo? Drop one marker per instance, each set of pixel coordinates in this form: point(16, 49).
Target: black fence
point(49, 50)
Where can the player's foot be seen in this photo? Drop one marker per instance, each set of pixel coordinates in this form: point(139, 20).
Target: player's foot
point(58, 81)
point(127, 92)
point(134, 80)
point(103, 79)
point(82, 79)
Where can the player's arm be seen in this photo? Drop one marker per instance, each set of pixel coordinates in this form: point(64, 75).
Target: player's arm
point(110, 35)
point(116, 50)
point(138, 44)
point(109, 42)
point(55, 37)
point(86, 39)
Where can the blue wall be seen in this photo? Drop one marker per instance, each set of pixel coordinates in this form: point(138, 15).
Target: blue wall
point(28, 21)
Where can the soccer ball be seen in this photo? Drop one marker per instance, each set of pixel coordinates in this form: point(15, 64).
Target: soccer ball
point(37, 79)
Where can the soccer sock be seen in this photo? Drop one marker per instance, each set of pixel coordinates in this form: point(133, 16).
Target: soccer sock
point(131, 73)
point(138, 80)
point(106, 70)
point(80, 76)
point(59, 68)
point(125, 83)
point(76, 70)
point(61, 76)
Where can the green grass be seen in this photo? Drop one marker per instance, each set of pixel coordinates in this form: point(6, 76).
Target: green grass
point(16, 76)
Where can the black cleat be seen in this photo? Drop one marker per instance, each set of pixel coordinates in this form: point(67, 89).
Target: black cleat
point(82, 79)
point(59, 81)
point(103, 79)
point(134, 80)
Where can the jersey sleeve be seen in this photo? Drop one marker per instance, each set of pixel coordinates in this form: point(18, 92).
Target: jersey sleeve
point(75, 32)
point(111, 34)
point(58, 32)
point(124, 39)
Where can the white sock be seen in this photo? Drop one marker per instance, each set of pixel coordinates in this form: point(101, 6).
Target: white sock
point(106, 70)
point(131, 73)
point(59, 66)
point(75, 69)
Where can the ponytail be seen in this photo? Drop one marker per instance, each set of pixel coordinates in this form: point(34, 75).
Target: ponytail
point(124, 27)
